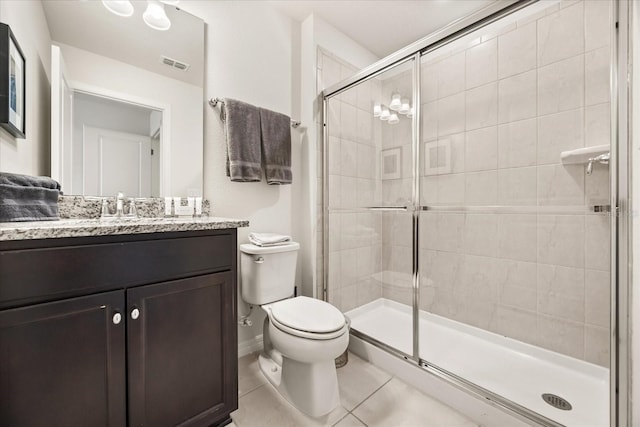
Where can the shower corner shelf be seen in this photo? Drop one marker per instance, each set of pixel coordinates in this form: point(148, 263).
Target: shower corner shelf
point(582, 155)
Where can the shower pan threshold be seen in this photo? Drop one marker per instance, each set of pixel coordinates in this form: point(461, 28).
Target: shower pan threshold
point(517, 371)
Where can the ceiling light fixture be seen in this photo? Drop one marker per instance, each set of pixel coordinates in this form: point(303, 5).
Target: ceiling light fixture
point(393, 119)
point(155, 16)
point(377, 109)
point(396, 102)
point(119, 7)
point(384, 114)
point(405, 107)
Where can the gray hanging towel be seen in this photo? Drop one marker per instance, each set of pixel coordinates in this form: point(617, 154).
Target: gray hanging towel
point(276, 146)
point(242, 127)
point(28, 198)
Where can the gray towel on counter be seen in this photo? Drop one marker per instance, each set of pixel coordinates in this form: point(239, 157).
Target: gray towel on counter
point(276, 146)
point(28, 198)
point(242, 127)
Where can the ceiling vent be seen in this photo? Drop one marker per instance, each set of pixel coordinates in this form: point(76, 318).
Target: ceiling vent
point(174, 63)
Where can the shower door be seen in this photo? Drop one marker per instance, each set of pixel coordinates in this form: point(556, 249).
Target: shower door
point(472, 232)
point(514, 227)
point(370, 195)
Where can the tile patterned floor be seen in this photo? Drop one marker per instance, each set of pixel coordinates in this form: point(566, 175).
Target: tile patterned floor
point(368, 397)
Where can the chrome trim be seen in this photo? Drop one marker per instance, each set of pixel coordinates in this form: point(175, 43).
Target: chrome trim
point(325, 202)
point(386, 347)
point(457, 28)
point(417, 88)
point(533, 210)
point(620, 174)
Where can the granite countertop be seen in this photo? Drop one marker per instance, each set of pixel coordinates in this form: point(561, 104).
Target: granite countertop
point(101, 227)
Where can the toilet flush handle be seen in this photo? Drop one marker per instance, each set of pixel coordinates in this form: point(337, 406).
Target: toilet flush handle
point(258, 260)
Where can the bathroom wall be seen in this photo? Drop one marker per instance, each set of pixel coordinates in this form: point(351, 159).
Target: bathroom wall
point(30, 155)
point(506, 105)
point(250, 57)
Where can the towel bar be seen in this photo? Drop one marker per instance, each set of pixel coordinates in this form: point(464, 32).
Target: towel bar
point(215, 101)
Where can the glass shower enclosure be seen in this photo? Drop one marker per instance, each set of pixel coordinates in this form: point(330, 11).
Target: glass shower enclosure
point(467, 199)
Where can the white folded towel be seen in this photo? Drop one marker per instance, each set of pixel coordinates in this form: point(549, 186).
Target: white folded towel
point(268, 239)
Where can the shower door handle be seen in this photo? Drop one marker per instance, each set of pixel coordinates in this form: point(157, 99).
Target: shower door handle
point(387, 208)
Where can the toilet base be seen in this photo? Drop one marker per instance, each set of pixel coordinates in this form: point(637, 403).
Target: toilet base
point(310, 387)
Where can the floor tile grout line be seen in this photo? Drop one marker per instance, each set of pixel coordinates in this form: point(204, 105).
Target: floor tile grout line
point(251, 391)
point(363, 423)
point(366, 398)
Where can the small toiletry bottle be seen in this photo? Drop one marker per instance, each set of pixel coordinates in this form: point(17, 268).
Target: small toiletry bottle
point(198, 206)
point(168, 204)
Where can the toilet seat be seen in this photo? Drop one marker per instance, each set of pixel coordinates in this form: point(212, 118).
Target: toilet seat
point(307, 318)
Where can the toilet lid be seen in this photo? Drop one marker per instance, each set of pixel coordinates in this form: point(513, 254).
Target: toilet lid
point(308, 315)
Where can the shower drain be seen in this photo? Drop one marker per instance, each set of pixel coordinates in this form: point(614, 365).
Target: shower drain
point(556, 401)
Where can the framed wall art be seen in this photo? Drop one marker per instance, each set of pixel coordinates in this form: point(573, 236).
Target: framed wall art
point(391, 163)
point(12, 83)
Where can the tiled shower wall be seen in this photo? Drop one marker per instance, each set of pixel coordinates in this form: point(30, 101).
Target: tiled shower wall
point(355, 248)
point(513, 246)
point(507, 106)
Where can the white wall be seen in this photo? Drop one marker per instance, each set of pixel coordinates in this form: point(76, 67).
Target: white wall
point(31, 155)
point(88, 70)
point(249, 56)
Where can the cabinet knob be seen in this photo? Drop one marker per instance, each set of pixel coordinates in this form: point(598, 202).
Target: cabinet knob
point(135, 313)
point(117, 318)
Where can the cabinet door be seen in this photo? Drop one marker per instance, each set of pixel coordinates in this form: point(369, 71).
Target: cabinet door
point(63, 363)
point(182, 351)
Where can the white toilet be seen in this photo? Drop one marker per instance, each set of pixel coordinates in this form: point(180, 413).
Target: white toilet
point(302, 336)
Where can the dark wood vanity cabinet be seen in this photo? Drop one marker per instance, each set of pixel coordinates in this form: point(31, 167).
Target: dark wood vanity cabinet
point(146, 352)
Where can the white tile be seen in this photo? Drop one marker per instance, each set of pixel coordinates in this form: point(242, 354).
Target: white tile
point(366, 161)
point(349, 297)
point(481, 106)
point(481, 188)
point(481, 149)
point(481, 234)
point(334, 124)
point(365, 96)
point(266, 408)
point(348, 192)
point(516, 323)
point(517, 51)
point(357, 380)
point(517, 186)
point(429, 76)
point(597, 186)
point(597, 125)
point(429, 123)
point(563, 336)
point(561, 185)
point(597, 342)
point(348, 122)
point(523, 247)
point(350, 95)
point(517, 285)
point(441, 269)
point(364, 127)
point(348, 231)
point(478, 279)
point(249, 375)
point(597, 242)
point(443, 232)
point(349, 421)
point(348, 158)
point(334, 155)
point(561, 86)
point(450, 115)
point(330, 71)
point(561, 240)
point(451, 73)
point(561, 35)
point(365, 192)
point(399, 404)
point(597, 298)
point(598, 76)
point(334, 190)
point(517, 97)
point(369, 289)
point(517, 144)
point(559, 132)
point(451, 189)
point(482, 64)
point(561, 292)
point(597, 15)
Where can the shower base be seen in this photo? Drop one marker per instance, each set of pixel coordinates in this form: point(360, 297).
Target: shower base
point(512, 369)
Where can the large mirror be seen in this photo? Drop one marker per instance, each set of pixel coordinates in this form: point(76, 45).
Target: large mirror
point(126, 100)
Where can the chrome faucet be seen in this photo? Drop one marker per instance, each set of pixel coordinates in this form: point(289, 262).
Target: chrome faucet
point(121, 211)
point(603, 159)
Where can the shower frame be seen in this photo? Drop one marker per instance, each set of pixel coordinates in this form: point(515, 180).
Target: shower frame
point(620, 183)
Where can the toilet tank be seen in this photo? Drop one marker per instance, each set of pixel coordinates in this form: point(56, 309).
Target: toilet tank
point(268, 273)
